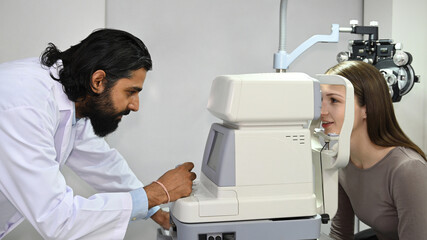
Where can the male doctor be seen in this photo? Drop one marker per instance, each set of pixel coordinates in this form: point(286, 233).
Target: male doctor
point(56, 111)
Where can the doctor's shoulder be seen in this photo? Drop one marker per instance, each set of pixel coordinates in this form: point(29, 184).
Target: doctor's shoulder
point(25, 83)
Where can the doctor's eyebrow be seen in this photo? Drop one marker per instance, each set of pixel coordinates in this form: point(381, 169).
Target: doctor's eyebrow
point(137, 89)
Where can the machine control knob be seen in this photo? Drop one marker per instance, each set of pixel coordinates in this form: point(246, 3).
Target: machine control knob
point(342, 57)
point(400, 58)
point(373, 23)
point(368, 60)
point(354, 22)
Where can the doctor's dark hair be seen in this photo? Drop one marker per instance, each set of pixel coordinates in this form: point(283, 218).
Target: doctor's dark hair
point(116, 52)
point(371, 90)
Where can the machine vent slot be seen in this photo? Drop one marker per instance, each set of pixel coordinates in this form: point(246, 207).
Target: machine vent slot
point(298, 139)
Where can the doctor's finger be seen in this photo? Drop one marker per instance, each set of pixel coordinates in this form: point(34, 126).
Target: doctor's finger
point(187, 166)
point(193, 176)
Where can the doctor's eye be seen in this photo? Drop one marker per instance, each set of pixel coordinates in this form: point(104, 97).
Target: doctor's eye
point(132, 92)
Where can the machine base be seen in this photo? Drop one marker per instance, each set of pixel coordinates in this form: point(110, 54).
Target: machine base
point(286, 229)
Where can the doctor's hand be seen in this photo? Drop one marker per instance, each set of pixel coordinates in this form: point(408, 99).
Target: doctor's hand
point(174, 184)
point(162, 218)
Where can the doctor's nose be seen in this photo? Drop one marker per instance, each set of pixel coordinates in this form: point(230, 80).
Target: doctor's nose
point(134, 104)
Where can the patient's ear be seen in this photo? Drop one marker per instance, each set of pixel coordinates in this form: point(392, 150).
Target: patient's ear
point(363, 110)
point(98, 81)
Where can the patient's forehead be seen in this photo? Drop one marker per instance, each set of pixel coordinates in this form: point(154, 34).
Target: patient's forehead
point(328, 89)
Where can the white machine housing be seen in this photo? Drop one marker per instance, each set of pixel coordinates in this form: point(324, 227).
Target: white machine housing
point(265, 99)
point(258, 164)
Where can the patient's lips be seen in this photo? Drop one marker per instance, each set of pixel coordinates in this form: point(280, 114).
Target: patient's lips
point(327, 125)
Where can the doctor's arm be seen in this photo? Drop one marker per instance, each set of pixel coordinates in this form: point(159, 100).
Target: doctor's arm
point(177, 183)
point(159, 193)
point(106, 170)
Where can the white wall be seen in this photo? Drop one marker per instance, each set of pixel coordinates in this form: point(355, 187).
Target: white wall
point(26, 27)
point(409, 26)
point(192, 42)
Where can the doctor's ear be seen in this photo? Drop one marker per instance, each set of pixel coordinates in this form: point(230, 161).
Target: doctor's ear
point(98, 81)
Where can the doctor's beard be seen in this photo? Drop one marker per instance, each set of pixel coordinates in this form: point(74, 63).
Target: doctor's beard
point(102, 114)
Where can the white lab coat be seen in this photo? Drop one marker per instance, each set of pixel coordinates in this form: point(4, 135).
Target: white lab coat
point(37, 137)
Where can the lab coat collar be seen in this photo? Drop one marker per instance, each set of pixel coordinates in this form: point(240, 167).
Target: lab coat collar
point(64, 104)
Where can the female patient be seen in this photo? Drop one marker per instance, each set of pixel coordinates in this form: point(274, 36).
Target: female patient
point(385, 182)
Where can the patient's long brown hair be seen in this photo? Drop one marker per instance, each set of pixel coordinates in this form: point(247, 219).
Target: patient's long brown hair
point(371, 91)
